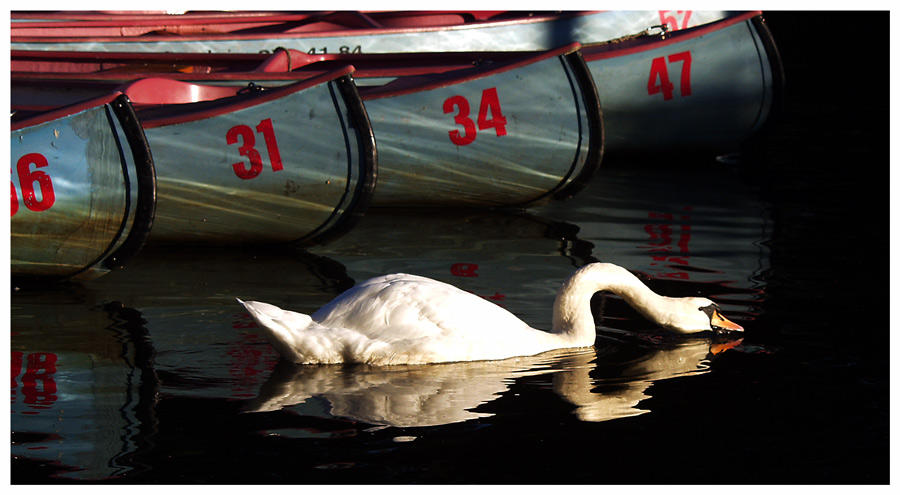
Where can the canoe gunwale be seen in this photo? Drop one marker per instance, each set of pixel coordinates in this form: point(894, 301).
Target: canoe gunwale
point(603, 50)
point(187, 112)
point(65, 111)
point(415, 84)
point(373, 31)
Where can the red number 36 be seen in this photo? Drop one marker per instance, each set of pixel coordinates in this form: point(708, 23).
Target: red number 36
point(28, 178)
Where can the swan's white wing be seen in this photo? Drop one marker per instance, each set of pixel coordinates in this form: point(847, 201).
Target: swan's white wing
point(401, 319)
point(424, 320)
point(409, 307)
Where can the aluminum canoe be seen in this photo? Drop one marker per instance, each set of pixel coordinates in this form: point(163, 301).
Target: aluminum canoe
point(336, 32)
point(485, 129)
point(295, 163)
point(545, 142)
point(707, 88)
point(83, 190)
point(502, 134)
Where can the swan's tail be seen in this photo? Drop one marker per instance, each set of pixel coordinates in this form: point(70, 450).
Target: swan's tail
point(296, 337)
point(283, 329)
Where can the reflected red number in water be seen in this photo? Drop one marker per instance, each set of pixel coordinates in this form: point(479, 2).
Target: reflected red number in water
point(38, 385)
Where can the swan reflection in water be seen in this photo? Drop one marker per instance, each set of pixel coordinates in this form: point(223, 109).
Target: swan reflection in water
point(437, 394)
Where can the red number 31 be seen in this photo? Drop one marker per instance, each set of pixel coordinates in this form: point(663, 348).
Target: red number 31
point(248, 149)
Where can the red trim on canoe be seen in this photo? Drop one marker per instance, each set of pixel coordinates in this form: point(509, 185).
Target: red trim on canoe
point(602, 51)
point(22, 60)
point(378, 17)
point(223, 21)
point(63, 112)
point(106, 66)
point(137, 17)
point(415, 84)
point(256, 99)
point(314, 34)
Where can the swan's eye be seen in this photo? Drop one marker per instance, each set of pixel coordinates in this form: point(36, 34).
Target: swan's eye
point(719, 322)
point(710, 310)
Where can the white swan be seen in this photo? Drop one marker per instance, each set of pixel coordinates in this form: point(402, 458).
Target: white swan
point(407, 319)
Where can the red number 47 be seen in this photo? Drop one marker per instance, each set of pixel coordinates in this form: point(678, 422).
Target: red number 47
point(659, 81)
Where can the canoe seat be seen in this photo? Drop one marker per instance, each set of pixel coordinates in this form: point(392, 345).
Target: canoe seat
point(162, 91)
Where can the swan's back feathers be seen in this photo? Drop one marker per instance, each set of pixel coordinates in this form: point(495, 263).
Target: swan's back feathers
point(399, 319)
point(402, 306)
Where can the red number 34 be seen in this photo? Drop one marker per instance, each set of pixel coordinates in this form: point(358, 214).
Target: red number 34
point(490, 104)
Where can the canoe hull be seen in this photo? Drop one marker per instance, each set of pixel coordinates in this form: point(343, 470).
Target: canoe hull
point(83, 190)
point(292, 164)
point(709, 88)
point(515, 136)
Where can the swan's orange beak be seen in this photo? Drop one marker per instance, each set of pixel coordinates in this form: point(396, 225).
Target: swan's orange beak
point(719, 322)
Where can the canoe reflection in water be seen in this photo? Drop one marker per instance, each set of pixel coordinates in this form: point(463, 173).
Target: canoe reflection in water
point(438, 394)
point(174, 360)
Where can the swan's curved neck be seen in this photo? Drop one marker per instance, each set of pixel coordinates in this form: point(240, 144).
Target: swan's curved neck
point(572, 317)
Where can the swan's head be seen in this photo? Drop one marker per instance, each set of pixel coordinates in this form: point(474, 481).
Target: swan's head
point(698, 314)
point(680, 314)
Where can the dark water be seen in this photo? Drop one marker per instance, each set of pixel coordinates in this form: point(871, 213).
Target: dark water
point(153, 374)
